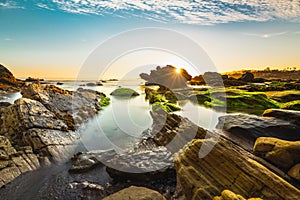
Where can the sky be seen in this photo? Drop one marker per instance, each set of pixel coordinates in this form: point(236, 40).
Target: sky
point(53, 39)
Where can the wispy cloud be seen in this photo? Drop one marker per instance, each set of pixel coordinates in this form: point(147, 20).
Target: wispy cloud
point(266, 35)
point(44, 6)
point(11, 5)
point(8, 39)
point(203, 12)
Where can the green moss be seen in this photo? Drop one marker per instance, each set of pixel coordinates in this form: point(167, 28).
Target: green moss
point(105, 101)
point(236, 100)
point(168, 107)
point(124, 92)
point(292, 105)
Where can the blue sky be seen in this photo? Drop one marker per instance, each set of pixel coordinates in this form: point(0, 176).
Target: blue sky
point(52, 38)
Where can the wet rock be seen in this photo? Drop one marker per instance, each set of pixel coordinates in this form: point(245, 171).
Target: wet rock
point(287, 115)
point(167, 77)
point(135, 193)
point(124, 92)
point(294, 172)
point(142, 165)
point(282, 153)
point(4, 104)
point(226, 166)
point(86, 186)
point(85, 161)
point(247, 128)
point(286, 96)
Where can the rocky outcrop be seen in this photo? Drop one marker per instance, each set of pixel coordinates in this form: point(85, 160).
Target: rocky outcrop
point(226, 166)
point(282, 153)
point(247, 77)
point(287, 115)
point(7, 80)
point(229, 195)
point(13, 162)
point(245, 129)
point(44, 122)
point(136, 193)
point(167, 77)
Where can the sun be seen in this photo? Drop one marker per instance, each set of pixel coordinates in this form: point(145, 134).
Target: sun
point(178, 70)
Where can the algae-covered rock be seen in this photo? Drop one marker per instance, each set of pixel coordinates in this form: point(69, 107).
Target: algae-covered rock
point(287, 115)
point(292, 105)
point(168, 107)
point(282, 153)
point(124, 92)
point(104, 101)
point(136, 193)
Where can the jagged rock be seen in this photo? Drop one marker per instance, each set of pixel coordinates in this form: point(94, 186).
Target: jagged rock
point(72, 107)
point(226, 166)
point(85, 161)
point(135, 193)
point(167, 77)
point(287, 115)
point(282, 153)
point(247, 77)
point(4, 104)
point(245, 129)
point(294, 172)
point(13, 162)
point(229, 195)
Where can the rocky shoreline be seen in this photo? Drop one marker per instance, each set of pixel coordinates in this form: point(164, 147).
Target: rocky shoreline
point(245, 157)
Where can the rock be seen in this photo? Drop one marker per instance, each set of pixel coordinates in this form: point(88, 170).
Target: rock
point(59, 83)
point(35, 80)
point(82, 162)
point(226, 166)
point(141, 165)
point(4, 104)
point(13, 162)
point(294, 172)
point(72, 107)
point(247, 77)
point(213, 79)
point(245, 129)
point(91, 84)
point(124, 92)
point(282, 153)
point(287, 115)
point(167, 77)
point(229, 195)
point(30, 122)
point(135, 193)
point(86, 186)
point(8, 81)
point(285, 96)
point(292, 105)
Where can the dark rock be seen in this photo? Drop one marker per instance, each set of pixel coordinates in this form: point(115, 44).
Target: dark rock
point(7, 80)
point(247, 128)
point(247, 77)
point(124, 92)
point(287, 115)
point(35, 80)
point(167, 77)
point(91, 84)
point(213, 79)
point(4, 104)
point(59, 83)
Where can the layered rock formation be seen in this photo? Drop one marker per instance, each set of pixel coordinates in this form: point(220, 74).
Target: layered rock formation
point(43, 123)
point(227, 166)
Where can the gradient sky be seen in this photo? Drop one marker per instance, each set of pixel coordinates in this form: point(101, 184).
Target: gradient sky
point(53, 38)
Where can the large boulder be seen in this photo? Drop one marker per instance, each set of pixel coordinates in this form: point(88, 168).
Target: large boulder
point(226, 166)
point(245, 129)
point(169, 77)
point(136, 193)
point(282, 153)
point(247, 77)
point(213, 79)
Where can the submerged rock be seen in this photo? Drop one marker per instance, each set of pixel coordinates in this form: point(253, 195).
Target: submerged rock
point(135, 193)
point(124, 92)
point(226, 166)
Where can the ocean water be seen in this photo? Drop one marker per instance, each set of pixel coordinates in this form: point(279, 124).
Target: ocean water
point(121, 124)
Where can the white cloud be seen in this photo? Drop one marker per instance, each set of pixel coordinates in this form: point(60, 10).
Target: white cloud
point(44, 6)
point(11, 5)
point(266, 35)
point(181, 11)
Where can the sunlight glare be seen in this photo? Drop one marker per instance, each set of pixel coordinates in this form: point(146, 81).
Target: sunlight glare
point(178, 70)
